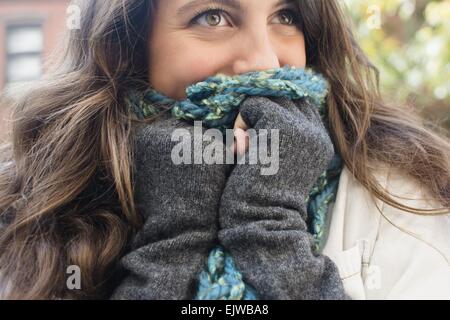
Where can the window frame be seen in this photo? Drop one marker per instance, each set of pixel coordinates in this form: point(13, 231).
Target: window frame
point(37, 22)
point(15, 21)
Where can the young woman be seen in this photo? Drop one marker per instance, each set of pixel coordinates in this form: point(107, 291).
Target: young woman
point(67, 180)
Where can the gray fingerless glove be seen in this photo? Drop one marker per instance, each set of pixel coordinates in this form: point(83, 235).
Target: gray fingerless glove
point(180, 207)
point(262, 217)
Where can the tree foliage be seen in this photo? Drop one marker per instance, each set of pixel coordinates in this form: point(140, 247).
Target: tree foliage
point(409, 41)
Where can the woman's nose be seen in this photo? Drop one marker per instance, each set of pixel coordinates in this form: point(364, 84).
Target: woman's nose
point(255, 53)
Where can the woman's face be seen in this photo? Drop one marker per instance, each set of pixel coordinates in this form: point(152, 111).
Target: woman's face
point(192, 40)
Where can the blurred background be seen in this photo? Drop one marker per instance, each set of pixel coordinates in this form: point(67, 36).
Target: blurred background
point(29, 30)
point(408, 40)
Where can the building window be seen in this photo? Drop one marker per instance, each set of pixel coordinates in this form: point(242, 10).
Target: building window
point(24, 44)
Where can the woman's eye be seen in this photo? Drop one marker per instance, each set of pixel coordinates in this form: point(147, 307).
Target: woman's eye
point(211, 18)
point(288, 17)
point(217, 18)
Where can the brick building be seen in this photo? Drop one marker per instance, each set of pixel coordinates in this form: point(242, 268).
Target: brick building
point(29, 29)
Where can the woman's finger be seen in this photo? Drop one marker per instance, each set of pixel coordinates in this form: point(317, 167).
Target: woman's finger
point(241, 143)
point(241, 139)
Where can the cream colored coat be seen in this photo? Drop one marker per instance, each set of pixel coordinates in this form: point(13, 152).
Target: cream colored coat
point(390, 254)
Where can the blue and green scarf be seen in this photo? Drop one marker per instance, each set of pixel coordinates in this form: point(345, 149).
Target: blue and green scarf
point(216, 102)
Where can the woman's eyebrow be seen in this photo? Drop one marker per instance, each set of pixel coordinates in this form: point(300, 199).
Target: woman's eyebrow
point(235, 4)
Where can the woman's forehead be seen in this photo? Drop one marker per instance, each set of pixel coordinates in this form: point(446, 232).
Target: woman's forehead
point(235, 4)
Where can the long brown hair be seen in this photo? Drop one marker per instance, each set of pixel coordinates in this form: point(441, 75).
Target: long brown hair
point(66, 189)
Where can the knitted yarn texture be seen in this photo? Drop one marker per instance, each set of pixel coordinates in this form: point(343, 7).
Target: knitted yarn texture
point(215, 102)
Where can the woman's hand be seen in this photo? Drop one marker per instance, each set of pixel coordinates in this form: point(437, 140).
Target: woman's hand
point(179, 203)
point(263, 217)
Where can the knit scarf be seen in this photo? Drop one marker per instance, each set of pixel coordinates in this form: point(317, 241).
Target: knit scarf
point(215, 102)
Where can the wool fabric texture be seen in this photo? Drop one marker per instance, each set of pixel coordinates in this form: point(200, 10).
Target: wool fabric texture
point(216, 102)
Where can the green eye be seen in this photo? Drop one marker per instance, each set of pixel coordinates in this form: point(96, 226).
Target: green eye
point(288, 17)
point(210, 18)
point(213, 19)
